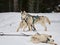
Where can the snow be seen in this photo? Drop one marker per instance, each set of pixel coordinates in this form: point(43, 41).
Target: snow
point(9, 22)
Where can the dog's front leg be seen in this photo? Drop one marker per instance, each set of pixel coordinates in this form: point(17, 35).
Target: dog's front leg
point(33, 27)
point(30, 28)
point(24, 28)
point(18, 28)
point(43, 24)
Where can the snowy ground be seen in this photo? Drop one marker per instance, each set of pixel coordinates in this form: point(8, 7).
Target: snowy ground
point(9, 22)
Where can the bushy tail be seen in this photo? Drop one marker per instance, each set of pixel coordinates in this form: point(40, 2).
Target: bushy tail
point(47, 19)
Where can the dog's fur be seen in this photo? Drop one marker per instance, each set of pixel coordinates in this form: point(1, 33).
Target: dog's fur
point(22, 25)
point(31, 20)
point(42, 38)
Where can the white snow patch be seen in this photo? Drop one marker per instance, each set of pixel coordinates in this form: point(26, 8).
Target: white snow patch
point(9, 22)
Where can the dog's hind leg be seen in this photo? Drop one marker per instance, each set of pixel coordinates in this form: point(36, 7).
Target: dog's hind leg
point(33, 27)
point(43, 24)
point(30, 27)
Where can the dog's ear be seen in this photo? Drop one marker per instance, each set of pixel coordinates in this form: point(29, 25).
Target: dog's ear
point(24, 11)
point(21, 12)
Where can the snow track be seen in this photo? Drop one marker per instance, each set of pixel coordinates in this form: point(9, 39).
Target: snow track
point(9, 22)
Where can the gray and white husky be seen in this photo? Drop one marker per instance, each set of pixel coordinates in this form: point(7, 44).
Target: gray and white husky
point(42, 38)
point(31, 20)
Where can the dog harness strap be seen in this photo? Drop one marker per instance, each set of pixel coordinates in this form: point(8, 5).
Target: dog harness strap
point(47, 40)
point(34, 18)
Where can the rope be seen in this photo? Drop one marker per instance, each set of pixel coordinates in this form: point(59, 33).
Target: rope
point(2, 34)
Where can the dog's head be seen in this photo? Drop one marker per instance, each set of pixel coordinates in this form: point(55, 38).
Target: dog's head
point(23, 14)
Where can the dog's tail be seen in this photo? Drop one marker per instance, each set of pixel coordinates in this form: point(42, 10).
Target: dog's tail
point(47, 19)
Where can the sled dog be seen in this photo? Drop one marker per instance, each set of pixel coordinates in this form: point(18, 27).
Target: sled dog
point(42, 38)
point(22, 25)
point(31, 20)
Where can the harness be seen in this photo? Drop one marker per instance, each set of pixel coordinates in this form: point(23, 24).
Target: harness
point(47, 40)
point(25, 19)
point(34, 18)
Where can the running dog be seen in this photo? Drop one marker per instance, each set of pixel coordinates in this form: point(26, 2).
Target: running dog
point(42, 38)
point(31, 20)
point(22, 25)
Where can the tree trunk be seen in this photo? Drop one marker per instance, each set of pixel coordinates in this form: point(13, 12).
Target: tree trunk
point(9, 5)
point(37, 6)
point(20, 5)
point(31, 5)
point(16, 5)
